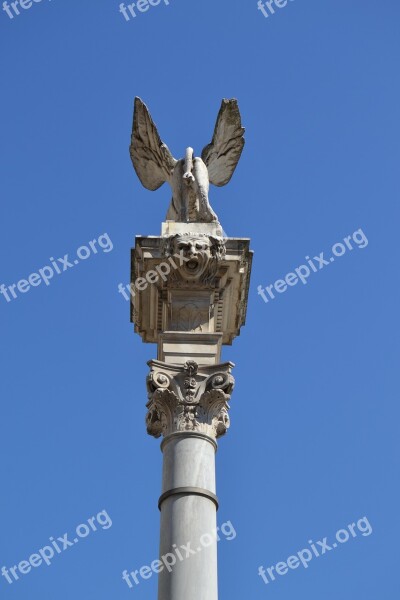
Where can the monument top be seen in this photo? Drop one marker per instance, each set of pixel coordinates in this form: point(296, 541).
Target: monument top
point(191, 176)
point(189, 286)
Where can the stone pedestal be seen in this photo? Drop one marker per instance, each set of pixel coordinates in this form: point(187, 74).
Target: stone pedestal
point(189, 295)
point(189, 282)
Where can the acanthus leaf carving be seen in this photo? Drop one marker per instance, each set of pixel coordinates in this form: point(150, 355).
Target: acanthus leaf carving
point(188, 398)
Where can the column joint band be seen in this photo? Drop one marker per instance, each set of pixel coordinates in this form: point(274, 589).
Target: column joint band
point(188, 491)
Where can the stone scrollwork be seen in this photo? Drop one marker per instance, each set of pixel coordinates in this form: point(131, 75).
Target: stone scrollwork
point(188, 398)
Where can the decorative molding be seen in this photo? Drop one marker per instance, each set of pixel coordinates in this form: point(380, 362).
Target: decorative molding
point(200, 282)
point(189, 491)
point(188, 398)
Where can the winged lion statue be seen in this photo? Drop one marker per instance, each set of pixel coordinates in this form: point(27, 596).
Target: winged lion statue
point(191, 176)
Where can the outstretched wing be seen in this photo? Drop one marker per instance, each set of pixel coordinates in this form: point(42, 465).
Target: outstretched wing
point(152, 160)
point(222, 155)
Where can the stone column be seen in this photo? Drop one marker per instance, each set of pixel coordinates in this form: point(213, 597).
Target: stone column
point(188, 518)
point(195, 305)
point(189, 406)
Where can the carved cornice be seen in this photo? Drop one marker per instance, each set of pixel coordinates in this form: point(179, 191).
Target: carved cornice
point(189, 281)
point(188, 398)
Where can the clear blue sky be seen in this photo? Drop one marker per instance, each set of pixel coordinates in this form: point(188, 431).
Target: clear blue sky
point(314, 442)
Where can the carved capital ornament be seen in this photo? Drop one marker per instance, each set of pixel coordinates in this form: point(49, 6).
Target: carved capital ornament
point(188, 398)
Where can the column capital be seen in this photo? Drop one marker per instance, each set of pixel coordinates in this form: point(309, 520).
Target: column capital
point(188, 398)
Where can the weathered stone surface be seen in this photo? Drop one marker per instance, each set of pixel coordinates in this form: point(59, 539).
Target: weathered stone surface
point(202, 287)
point(189, 290)
point(191, 176)
point(177, 347)
point(188, 398)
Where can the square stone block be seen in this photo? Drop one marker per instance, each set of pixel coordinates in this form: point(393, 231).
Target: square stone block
point(178, 347)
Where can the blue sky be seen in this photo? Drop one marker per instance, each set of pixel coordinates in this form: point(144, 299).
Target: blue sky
point(313, 444)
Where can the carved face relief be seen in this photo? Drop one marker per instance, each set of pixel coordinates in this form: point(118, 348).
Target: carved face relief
point(198, 252)
point(201, 253)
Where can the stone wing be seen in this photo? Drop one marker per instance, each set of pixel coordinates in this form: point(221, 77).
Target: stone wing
point(151, 158)
point(222, 155)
